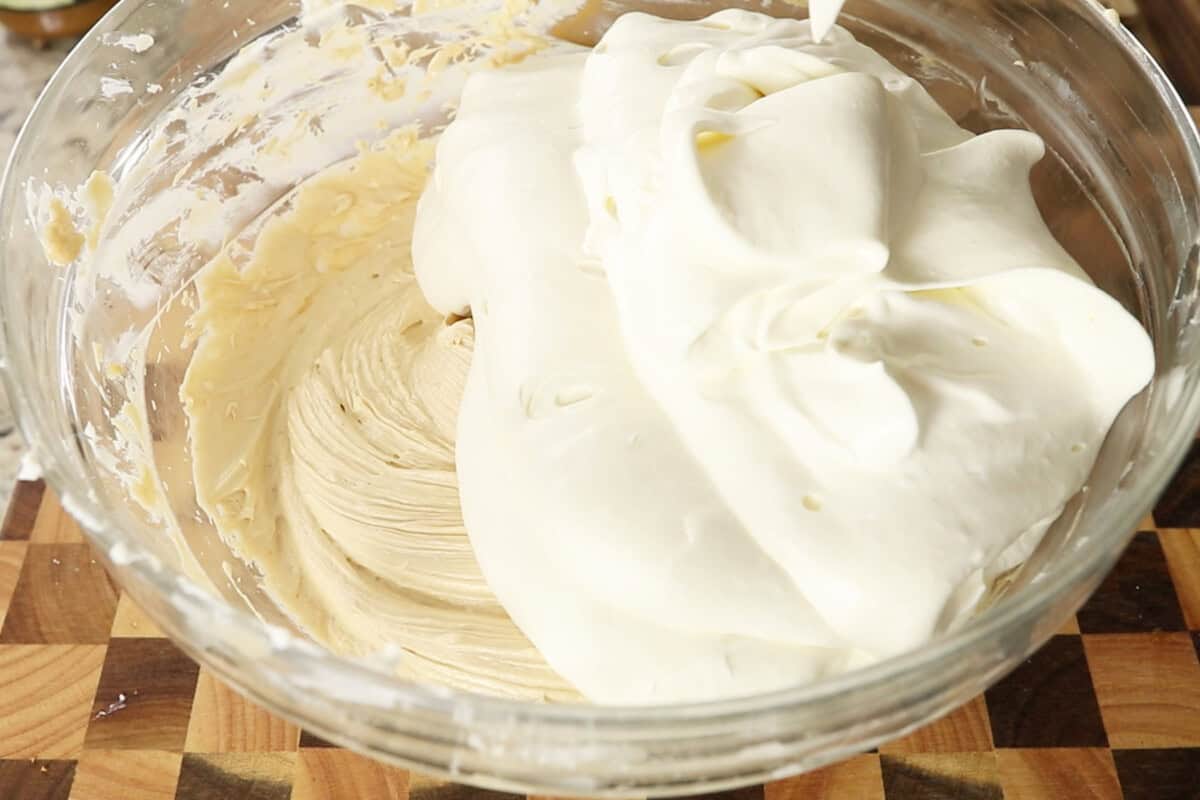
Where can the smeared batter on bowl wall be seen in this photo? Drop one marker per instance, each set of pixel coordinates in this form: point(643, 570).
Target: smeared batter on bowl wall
point(323, 395)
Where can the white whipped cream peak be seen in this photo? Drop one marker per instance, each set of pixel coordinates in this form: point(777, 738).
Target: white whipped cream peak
point(823, 14)
point(776, 366)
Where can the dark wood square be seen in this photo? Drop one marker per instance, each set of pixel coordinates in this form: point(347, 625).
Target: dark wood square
point(1048, 701)
point(145, 697)
point(245, 776)
point(424, 787)
point(1137, 596)
point(22, 510)
point(1159, 774)
point(1179, 505)
point(63, 596)
point(30, 779)
point(745, 793)
point(312, 740)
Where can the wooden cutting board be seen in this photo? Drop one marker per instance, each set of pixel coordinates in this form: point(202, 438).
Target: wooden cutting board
point(95, 704)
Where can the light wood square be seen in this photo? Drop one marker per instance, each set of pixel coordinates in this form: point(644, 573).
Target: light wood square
point(331, 774)
point(47, 698)
point(1057, 773)
point(858, 777)
point(126, 775)
point(131, 622)
point(1148, 687)
point(964, 730)
point(224, 721)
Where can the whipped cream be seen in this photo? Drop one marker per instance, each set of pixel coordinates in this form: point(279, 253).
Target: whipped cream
point(775, 367)
point(822, 15)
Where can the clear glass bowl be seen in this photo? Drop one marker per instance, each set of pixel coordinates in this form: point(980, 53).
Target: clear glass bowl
point(1120, 189)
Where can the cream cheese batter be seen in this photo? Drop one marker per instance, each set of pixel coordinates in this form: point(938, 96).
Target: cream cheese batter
point(710, 360)
point(322, 398)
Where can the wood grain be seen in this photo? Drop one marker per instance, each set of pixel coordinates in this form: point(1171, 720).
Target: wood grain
point(47, 698)
point(53, 524)
point(224, 721)
point(130, 622)
point(966, 729)
point(1182, 548)
point(1148, 688)
point(22, 510)
point(1058, 774)
point(12, 556)
point(1168, 774)
point(236, 776)
point(1137, 595)
point(1048, 701)
point(126, 775)
point(961, 776)
point(427, 787)
point(63, 596)
point(326, 774)
point(857, 777)
point(144, 700)
point(36, 779)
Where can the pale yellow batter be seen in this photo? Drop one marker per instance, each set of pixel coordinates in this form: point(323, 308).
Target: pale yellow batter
point(322, 399)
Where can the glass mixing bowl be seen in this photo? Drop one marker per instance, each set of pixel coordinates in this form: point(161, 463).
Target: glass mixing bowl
point(1120, 189)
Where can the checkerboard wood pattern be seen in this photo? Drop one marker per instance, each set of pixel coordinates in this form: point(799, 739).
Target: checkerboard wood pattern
point(95, 704)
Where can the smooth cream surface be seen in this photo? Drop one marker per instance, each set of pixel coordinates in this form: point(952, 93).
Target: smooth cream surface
point(775, 366)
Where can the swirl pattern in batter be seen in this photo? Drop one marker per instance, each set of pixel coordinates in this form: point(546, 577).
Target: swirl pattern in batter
point(322, 398)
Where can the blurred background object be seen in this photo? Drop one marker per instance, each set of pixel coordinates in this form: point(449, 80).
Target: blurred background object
point(41, 21)
point(26, 63)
